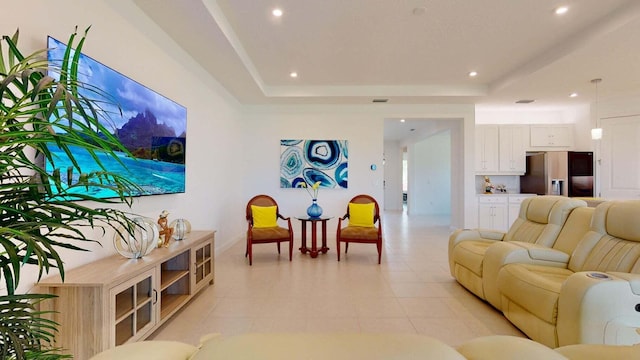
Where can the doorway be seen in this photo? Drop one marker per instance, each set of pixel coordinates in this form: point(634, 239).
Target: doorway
point(423, 164)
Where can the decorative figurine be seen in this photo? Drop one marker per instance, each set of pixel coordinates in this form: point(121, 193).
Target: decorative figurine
point(488, 186)
point(164, 229)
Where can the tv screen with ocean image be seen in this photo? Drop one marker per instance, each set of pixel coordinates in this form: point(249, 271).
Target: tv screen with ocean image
point(151, 127)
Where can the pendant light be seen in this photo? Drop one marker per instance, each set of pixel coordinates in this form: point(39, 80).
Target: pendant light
point(596, 133)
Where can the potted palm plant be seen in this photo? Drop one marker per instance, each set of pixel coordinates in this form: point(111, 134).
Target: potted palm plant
point(38, 214)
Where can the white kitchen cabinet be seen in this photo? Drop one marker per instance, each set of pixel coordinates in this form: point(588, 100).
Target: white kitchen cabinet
point(512, 149)
point(487, 149)
point(492, 212)
point(553, 136)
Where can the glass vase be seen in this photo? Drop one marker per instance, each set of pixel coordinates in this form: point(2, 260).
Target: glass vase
point(181, 227)
point(314, 211)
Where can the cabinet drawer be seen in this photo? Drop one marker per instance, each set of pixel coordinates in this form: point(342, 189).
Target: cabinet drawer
point(491, 199)
point(518, 199)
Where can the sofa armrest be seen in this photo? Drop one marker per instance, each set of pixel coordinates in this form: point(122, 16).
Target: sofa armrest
point(476, 234)
point(633, 279)
point(599, 308)
point(470, 234)
point(502, 253)
point(523, 252)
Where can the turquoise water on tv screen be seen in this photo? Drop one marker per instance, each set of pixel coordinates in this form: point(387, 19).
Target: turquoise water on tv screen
point(154, 177)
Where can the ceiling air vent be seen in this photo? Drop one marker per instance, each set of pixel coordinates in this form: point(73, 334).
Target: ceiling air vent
point(524, 101)
point(380, 100)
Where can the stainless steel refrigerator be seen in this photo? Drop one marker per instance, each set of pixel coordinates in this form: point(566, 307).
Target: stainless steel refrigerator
point(567, 173)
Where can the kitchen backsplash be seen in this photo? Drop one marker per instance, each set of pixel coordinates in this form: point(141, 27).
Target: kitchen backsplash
point(511, 183)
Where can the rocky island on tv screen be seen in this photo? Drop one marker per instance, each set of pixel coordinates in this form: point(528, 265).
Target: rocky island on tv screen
point(152, 127)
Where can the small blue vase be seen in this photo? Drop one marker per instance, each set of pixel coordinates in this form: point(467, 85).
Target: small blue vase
point(314, 211)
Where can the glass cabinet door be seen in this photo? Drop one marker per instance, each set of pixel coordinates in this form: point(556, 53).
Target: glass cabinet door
point(202, 265)
point(135, 308)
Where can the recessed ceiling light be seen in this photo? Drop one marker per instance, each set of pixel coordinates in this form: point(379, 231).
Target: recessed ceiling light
point(401, 120)
point(293, 74)
point(573, 95)
point(561, 10)
point(473, 73)
point(277, 12)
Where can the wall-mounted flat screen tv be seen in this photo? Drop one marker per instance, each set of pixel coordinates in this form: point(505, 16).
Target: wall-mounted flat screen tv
point(152, 127)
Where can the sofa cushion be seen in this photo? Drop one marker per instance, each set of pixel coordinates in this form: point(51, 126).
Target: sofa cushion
point(157, 350)
point(599, 352)
point(541, 218)
point(527, 231)
point(502, 347)
point(269, 233)
point(576, 226)
point(538, 211)
point(470, 254)
point(359, 232)
point(334, 346)
point(622, 220)
point(533, 287)
point(611, 243)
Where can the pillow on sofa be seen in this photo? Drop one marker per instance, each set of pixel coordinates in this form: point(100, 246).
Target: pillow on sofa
point(264, 216)
point(361, 214)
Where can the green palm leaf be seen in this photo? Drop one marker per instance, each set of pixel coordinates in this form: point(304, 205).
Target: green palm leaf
point(37, 217)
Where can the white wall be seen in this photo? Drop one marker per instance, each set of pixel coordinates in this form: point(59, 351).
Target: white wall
point(393, 176)
point(213, 192)
point(430, 180)
point(266, 126)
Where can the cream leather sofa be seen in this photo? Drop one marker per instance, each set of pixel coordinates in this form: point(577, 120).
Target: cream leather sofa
point(592, 297)
point(355, 346)
point(539, 223)
point(502, 253)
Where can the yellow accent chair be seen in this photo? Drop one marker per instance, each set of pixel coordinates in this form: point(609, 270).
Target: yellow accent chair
point(362, 215)
point(262, 225)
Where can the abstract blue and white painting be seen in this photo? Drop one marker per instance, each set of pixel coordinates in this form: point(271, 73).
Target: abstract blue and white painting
point(310, 161)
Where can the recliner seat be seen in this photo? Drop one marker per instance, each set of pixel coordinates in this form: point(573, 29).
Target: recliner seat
point(594, 298)
point(540, 221)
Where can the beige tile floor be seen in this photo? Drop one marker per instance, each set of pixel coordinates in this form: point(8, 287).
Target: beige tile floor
point(410, 292)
